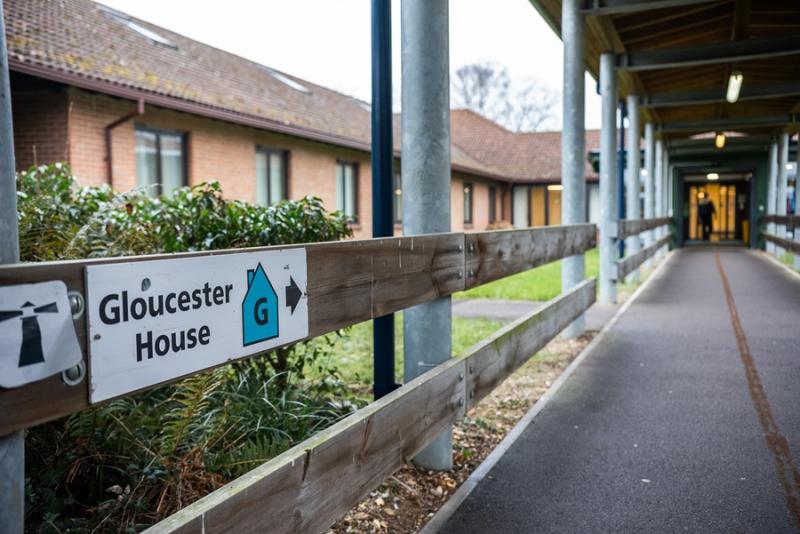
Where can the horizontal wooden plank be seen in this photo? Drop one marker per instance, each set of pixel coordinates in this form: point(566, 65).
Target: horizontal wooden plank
point(353, 281)
point(630, 263)
point(491, 361)
point(630, 227)
point(497, 254)
point(790, 221)
point(311, 485)
point(301, 490)
point(348, 282)
point(793, 246)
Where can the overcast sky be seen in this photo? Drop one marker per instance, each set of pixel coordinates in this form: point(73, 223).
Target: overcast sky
point(328, 41)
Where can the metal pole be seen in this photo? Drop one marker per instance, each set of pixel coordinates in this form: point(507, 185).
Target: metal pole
point(633, 201)
point(659, 189)
point(796, 229)
point(621, 173)
point(382, 171)
point(649, 181)
point(12, 446)
point(427, 328)
point(780, 205)
point(573, 144)
point(772, 194)
point(608, 180)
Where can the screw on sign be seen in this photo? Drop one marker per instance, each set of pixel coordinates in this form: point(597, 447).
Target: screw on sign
point(37, 335)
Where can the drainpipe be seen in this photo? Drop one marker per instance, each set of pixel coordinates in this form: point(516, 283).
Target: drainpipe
point(108, 131)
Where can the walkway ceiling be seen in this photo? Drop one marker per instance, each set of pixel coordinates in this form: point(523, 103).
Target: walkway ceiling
point(679, 54)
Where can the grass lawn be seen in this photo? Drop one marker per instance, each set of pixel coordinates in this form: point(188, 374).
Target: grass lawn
point(788, 259)
point(542, 283)
point(352, 355)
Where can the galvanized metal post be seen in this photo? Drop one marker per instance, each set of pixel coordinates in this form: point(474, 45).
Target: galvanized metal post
point(772, 193)
point(796, 229)
point(780, 205)
point(633, 188)
point(670, 186)
point(609, 215)
point(622, 158)
point(573, 144)
point(427, 328)
point(649, 181)
point(658, 178)
point(12, 446)
point(382, 174)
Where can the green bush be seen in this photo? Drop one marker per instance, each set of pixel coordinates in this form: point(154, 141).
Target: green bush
point(128, 463)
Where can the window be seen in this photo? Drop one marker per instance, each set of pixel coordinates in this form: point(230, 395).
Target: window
point(138, 28)
point(271, 182)
point(347, 189)
point(287, 81)
point(468, 189)
point(397, 198)
point(492, 204)
point(160, 163)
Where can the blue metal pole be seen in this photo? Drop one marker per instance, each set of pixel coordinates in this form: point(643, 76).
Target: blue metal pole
point(621, 172)
point(382, 171)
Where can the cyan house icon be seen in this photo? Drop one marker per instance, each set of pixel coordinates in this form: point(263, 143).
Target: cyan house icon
point(259, 308)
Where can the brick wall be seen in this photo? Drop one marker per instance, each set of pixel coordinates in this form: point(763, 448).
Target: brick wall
point(40, 123)
point(226, 152)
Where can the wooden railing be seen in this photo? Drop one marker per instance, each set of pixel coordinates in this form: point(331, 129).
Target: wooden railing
point(631, 227)
point(309, 486)
point(791, 222)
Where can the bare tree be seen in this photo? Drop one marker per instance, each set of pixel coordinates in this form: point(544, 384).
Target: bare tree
point(534, 108)
point(486, 89)
point(483, 88)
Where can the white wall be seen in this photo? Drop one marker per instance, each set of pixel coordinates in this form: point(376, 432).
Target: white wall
point(520, 217)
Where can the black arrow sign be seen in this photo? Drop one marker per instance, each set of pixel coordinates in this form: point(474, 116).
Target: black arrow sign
point(293, 295)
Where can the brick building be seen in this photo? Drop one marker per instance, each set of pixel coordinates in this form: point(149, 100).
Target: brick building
point(131, 104)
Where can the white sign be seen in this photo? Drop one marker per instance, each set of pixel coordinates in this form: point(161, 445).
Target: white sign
point(37, 337)
point(153, 321)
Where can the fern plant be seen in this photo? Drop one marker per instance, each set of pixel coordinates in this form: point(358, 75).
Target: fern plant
point(126, 464)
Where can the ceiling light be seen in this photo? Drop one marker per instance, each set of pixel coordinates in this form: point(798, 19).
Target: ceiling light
point(712, 176)
point(734, 85)
point(719, 140)
point(555, 187)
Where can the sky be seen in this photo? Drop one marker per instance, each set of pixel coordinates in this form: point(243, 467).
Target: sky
point(327, 42)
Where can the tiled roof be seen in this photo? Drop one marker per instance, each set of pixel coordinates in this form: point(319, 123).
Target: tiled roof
point(89, 45)
point(525, 157)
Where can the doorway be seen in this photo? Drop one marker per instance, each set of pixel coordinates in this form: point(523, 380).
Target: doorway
point(727, 202)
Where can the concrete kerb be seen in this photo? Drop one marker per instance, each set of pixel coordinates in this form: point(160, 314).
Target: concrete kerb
point(446, 512)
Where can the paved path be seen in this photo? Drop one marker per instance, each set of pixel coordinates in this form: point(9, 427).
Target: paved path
point(508, 310)
point(681, 420)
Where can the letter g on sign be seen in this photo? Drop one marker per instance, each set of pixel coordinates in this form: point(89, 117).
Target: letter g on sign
point(261, 312)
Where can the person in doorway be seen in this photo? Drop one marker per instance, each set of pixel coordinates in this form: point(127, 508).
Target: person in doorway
point(705, 214)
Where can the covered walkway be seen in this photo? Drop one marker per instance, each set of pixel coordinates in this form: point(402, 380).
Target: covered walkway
point(683, 418)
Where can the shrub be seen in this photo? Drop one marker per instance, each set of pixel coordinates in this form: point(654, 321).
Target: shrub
point(128, 463)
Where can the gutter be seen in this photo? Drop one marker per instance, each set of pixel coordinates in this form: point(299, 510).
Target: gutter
point(154, 99)
point(109, 130)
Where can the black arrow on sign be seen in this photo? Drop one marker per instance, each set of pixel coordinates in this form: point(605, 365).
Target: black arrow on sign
point(293, 295)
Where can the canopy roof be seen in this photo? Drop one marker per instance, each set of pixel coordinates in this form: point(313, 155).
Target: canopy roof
point(678, 55)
